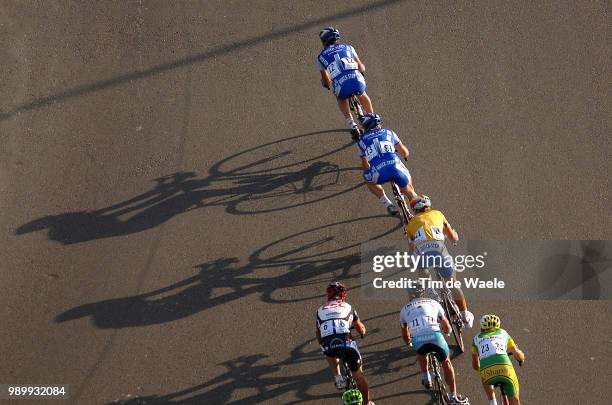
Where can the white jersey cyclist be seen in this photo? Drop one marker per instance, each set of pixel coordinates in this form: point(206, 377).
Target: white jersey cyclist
point(335, 319)
point(422, 316)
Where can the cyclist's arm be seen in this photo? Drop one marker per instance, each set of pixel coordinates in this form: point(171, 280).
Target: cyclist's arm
point(445, 325)
point(450, 232)
point(475, 360)
point(365, 165)
point(402, 150)
point(406, 335)
point(360, 327)
point(360, 65)
point(411, 246)
point(516, 352)
point(325, 79)
point(319, 334)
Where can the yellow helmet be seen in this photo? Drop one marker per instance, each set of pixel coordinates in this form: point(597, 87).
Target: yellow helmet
point(489, 322)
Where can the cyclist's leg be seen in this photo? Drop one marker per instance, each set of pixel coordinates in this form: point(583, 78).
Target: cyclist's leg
point(365, 101)
point(442, 353)
point(333, 362)
point(374, 179)
point(334, 365)
point(353, 360)
point(490, 391)
point(362, 384)
point(404, 180)
point(343, 104)
point(423, 348)
point(449, 375)
point(514, 400)
point(448, 272)
point(343, 92)
point(409, 192)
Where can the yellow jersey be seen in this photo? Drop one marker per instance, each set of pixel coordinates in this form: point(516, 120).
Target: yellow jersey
point(427, 225)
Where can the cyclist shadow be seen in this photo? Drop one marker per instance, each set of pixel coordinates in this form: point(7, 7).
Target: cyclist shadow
point(242, 373)
point(277, 380)
point(296, 261)
point(272, 182)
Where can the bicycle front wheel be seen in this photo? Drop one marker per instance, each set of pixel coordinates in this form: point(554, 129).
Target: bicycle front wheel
point(456, 323)
point(401, 203)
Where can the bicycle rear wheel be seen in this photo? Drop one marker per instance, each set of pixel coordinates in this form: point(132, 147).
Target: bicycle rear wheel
point(439, 388)
point(401, 203)
point(348, 375)
point(355, 106)
point(456, 323)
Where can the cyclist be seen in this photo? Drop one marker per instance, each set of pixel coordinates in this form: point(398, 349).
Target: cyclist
point(352, 397)
point(421, 320)
point(334, 321)
point(427, 231)
point(490, 357)
point(379, 148)
point(342, 71)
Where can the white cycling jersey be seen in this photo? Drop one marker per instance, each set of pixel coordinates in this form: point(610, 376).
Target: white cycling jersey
point(422, 315)
point(335, 318)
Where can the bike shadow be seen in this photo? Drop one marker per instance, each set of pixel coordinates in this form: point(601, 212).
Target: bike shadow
point(254, 181)
point(298, 260)
point(275, 381)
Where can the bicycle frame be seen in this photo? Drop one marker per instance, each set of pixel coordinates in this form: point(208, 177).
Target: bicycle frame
point(355, 106)
point(401, 203)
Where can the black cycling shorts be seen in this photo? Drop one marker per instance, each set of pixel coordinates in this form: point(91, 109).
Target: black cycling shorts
point(343, 349)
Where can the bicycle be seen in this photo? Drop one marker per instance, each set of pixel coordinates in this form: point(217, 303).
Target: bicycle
point(403, 207)
point(355, 106)
point(346, 372)
point(451, 310)
point(503, 396)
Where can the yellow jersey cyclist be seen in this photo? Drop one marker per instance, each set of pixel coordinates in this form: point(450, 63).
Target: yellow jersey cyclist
point(423, 321)
point(490, 357)
point(427, 231)
point(352, 397)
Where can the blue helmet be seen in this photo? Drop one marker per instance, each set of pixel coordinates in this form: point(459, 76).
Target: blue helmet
point(329, 34)
point(370, 120)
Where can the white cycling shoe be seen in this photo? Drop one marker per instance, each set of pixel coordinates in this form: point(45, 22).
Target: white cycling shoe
point(339, 382)
point(468, 319)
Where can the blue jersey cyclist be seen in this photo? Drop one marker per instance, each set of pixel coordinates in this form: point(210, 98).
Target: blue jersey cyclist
point(342, 71)
point(379, 149)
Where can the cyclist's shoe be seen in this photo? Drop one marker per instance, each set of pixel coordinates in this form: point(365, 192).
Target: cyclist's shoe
point(426, 381)
point(459, 400)
point(340, 382)
point(468, 319)
point(371, 403)
point(392, 210)
point(355, 133)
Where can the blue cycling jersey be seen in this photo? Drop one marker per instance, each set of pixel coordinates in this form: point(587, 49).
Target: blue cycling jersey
point(378, 146)
point(339, 60)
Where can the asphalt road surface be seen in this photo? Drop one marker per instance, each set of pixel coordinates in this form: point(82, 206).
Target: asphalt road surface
point(177, 189)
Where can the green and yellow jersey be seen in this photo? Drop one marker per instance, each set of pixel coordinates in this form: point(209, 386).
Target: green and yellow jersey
point(495, 365)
